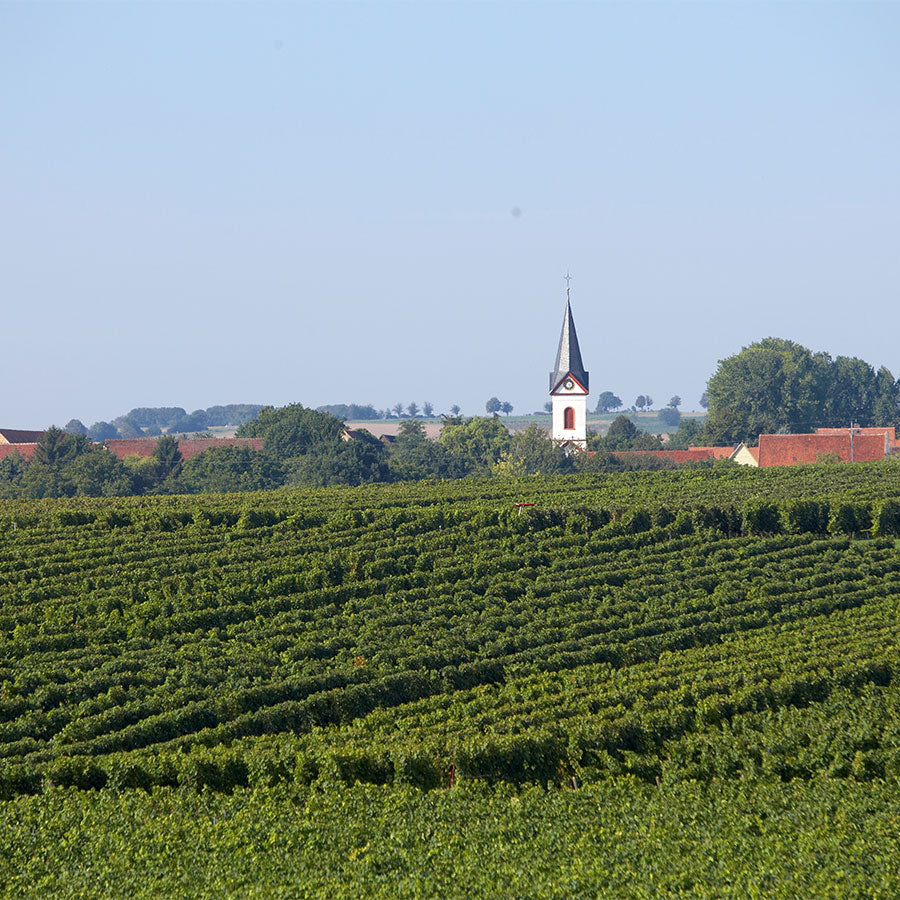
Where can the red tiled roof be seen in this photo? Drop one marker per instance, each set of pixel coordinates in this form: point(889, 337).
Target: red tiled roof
point(189, 447)
point(17, 436)
point(24, 450)
point(692, 454)
point(795, 449)
point(123, 447)
point(865, 429)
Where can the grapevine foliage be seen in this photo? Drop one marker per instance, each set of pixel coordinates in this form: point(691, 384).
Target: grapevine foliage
point(505, 658)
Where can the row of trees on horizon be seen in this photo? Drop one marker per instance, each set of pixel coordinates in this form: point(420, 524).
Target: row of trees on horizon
point(151, 421)
point(305, 447)
point(770, 386)
point(773, 385)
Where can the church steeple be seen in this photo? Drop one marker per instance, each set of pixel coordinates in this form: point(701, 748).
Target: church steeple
point(568, 356)
point(569, 387)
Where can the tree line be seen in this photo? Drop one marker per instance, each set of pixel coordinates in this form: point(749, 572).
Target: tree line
point(303, 446)
point(357, 412)
point(777, 385)
point(151, 421)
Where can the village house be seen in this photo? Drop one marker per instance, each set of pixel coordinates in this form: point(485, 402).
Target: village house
point(853, 444)
point(15, 440)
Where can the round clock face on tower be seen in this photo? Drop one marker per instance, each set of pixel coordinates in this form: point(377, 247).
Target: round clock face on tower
point(569, 384)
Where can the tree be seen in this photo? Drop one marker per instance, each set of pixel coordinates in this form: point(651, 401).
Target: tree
point(506, 407)
point(777, 385)
point(196, 421)
point(704, 400)
point(476, 444)
point(352, 411)
point(607, 401)
point(42, 480)
point(622, 431)
point(427, 410)
point(413, 409)
point(56, 448)
point(143, 472)
point(675, 402)
point(669, 415)
point(99, 473)
point(161, 416)
point(12, 468)
point(604, 461)
point(125, 428)
point(688, 430)
point(358, 461)
point(623, 434)
point(168, 457)
point(102, 431)
point(886, 407)
point(772, 385)
point(398, 409)
point(229, 469)
point(75, 426)
point(493, 405)
point(851, 393)
point(454, 410)
point(412, 429)
point(531, 452)
point(548, 406)
point(641, 402)
point(413, 456)
point(230, 414)
point(292, 430)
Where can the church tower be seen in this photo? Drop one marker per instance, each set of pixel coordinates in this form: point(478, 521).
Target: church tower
point(569, 387)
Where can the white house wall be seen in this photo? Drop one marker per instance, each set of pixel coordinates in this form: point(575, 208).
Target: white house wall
point(743, 457)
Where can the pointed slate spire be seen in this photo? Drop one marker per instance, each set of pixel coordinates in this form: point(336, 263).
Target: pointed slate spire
point(568, 356)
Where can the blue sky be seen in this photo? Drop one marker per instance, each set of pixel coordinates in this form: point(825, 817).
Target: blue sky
point(211, 203)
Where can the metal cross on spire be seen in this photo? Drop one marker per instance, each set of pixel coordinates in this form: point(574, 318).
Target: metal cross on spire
point(568, 279)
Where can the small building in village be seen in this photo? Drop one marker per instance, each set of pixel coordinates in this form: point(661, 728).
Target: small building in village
point(852, 444)
point(20, 442)
point(18, 436)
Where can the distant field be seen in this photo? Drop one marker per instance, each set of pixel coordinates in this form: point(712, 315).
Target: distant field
point(645, 421)
point(644, 684)
point(378, 427)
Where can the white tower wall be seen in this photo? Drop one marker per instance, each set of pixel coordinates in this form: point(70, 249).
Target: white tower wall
point(578, 402)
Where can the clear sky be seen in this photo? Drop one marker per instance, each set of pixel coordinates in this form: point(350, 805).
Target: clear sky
point(212, 203)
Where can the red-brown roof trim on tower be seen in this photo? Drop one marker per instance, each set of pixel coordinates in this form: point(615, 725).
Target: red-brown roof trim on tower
point(566, 378)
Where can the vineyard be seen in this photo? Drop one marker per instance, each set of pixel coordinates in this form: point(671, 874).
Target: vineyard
point(636, 684)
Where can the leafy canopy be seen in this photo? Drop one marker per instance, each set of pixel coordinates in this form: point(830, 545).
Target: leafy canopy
point(623, 434)
point(292, 430)
point(607, 401)
point(776, 385)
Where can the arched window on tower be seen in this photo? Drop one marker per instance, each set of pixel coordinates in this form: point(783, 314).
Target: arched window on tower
point(569, 419)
